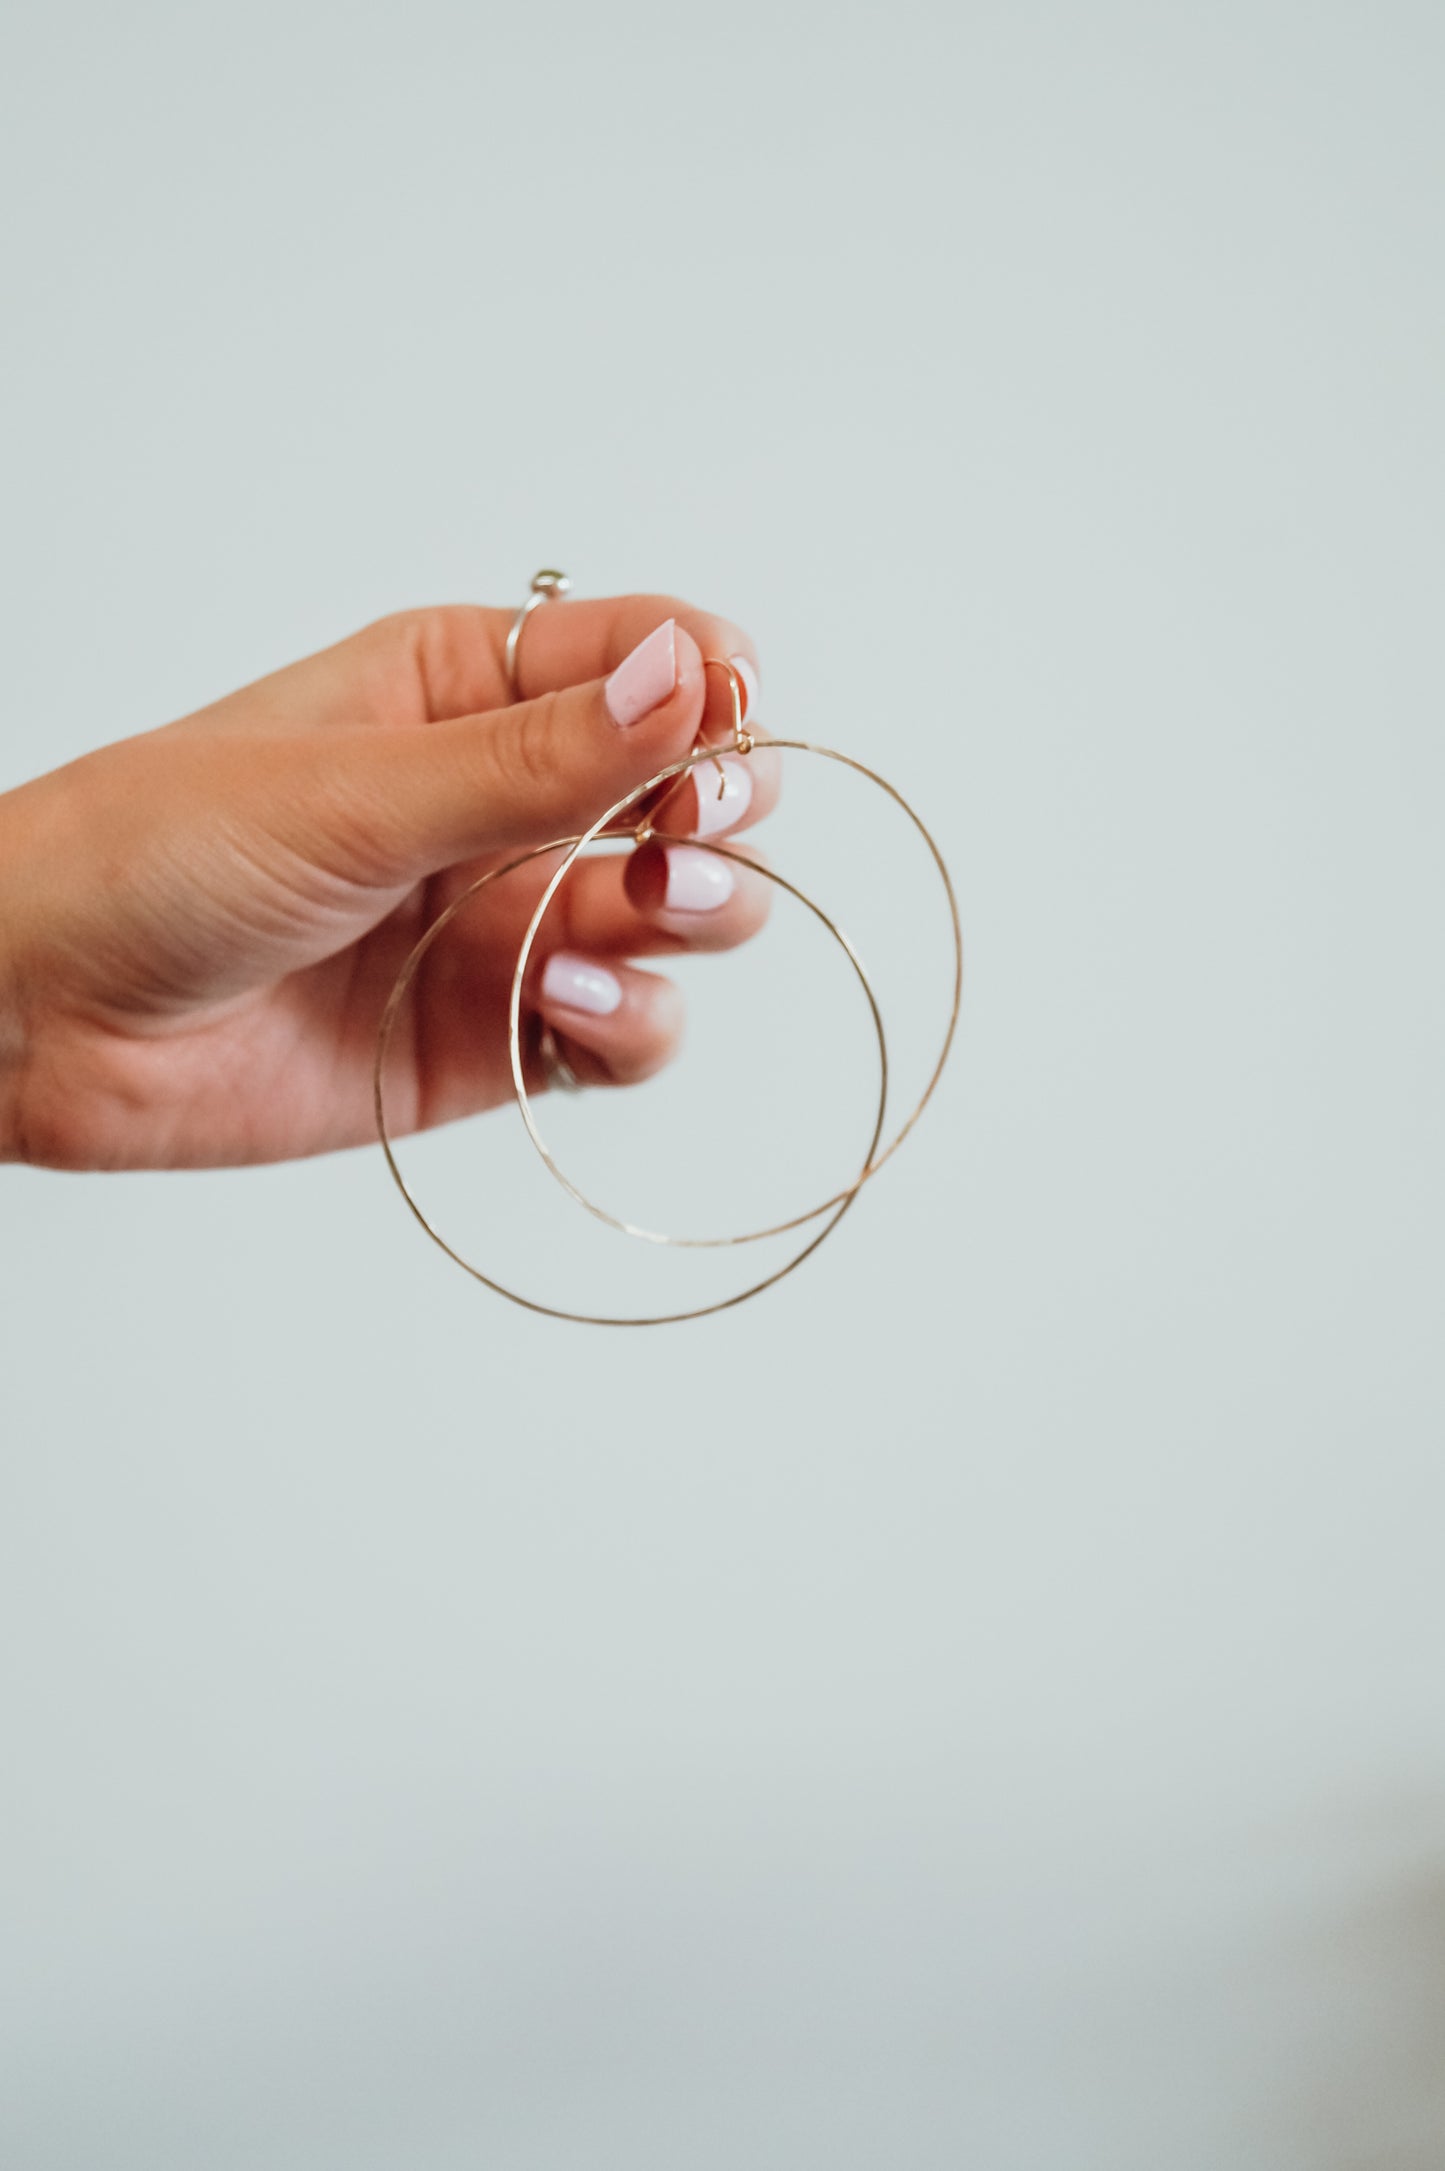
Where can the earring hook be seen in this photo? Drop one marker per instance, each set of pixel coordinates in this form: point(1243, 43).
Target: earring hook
point(743, 741)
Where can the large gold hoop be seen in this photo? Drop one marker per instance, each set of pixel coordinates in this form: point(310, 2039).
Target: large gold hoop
point(404, 979)
point(603, 825)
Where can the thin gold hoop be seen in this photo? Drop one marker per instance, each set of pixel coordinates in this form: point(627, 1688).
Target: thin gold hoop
point(404, 979)
point(646, 833)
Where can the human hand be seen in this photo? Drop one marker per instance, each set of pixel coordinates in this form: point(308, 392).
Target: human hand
point(199, 927)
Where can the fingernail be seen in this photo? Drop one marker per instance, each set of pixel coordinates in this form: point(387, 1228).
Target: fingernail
point(749, 678)
point(645, 678)
point(696, 881)
point(572, 983)
point(721, 800)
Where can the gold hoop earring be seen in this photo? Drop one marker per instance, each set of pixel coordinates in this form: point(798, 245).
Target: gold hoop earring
point(550, 586)
point(646, 833)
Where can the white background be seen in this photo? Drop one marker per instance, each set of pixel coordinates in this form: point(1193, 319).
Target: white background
point(982, 1705)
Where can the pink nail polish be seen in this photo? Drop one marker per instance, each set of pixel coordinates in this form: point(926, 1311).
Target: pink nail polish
point(749, 678)
point(644, 679)
point(719, 809)
point(574, 983)
point(696, 881)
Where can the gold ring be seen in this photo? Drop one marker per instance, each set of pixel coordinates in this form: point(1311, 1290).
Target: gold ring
point(548, 586)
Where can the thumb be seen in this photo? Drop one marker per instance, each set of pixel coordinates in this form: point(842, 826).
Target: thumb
point(414, 801)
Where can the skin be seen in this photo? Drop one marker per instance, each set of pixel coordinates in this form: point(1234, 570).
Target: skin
point(199, 927)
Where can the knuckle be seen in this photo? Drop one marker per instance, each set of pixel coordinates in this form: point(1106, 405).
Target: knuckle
point(442, 649)
point(417, 624)
point(398, 633)
point(530, 748)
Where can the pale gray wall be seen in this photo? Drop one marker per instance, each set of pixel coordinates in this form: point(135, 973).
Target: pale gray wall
point(984, 1706)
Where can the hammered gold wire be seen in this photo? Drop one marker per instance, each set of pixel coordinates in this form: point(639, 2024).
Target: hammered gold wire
point(531, 1304)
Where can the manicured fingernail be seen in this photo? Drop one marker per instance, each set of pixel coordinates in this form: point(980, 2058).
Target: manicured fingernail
point(573, 983)
point(749, 678)
point(721, 800)
point(696, 881)
point(645, 678)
